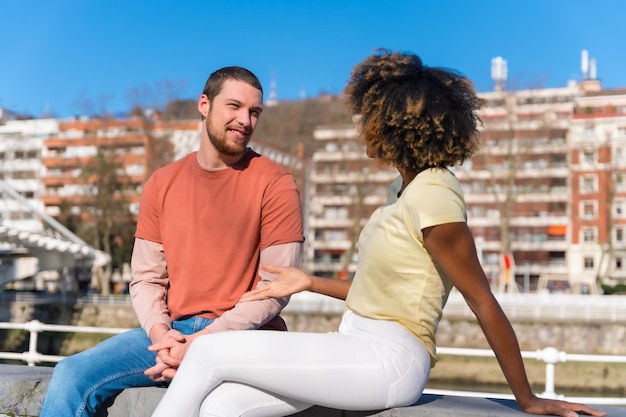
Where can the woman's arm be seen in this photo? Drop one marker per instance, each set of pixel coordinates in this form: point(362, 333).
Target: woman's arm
point(292, 280)
point(452, 247)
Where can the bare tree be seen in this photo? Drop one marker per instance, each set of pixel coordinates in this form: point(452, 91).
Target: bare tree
point(156, 96)
point(511, 143)
point(365, 186)
point(108, 217)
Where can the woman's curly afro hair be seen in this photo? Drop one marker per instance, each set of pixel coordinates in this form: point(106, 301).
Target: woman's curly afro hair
point(412, 116)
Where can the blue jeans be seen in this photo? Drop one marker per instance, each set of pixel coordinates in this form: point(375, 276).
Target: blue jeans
point(82, 382)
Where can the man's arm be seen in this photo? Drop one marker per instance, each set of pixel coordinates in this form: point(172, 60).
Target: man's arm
point(252, 315)
point(245, 315)
point(148, 287)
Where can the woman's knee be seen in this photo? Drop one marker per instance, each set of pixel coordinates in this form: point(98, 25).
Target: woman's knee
point(202, 345)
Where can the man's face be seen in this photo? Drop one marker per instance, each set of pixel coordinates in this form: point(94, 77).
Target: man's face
point(232, 117)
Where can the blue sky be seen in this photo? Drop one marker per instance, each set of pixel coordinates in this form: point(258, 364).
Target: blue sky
point(83, 56)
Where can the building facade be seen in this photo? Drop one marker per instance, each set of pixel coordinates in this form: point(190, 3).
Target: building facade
point(598, 185)
point(132, 148)
point(21, 168)
point(344, 187)
point(517, 186)
point(545, 194)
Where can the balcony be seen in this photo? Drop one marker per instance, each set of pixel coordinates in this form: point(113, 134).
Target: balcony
point(120, 140)
point(331, 245)
point(317, 223)
point(544, 220)
point(352, 177)
point(52, 162)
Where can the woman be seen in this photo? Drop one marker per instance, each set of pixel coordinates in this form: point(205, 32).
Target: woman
point(412, 252)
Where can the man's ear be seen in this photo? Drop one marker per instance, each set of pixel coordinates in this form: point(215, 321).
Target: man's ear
point(203, 105)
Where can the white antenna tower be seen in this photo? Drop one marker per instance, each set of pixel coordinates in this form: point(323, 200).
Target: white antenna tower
point(584, 64)
point(498, 72)
point(272, 101)
point(592, 69)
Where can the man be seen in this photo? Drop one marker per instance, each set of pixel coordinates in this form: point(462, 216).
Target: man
point(206, 222)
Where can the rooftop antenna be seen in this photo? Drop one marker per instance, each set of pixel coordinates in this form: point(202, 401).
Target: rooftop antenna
point(592, 69)
point(498, 72)
point(584, 64)
point(590, 80)
point(272, 101)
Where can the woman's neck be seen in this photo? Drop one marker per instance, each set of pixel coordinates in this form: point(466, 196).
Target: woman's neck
point(407, 177)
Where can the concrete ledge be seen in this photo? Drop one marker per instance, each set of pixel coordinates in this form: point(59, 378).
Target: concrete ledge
point(22, 389)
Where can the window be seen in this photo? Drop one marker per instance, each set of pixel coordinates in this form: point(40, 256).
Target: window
point(619, 181)
point(134, 169)
point(588, 210)
point(619, 156)
point(589, 234)
point(588, 262)
point(335, 235)
point(619, 234)
point(619, 209)
point(23, 175)
point(336, 213)
point(589, 157)
point(588, 184)
point(619, 262)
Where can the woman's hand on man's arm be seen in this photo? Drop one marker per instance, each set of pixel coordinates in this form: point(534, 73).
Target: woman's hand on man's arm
point(292, 280)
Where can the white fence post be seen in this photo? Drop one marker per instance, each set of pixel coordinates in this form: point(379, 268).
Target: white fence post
point(550, 356)
point(33, 327)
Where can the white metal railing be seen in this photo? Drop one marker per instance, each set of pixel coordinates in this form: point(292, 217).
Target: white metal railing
point(550, 356)
point(65, 298)
point(34, 327)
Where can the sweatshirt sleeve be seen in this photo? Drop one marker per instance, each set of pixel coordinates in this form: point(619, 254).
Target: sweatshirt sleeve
point(254, 314)
point(148, 286)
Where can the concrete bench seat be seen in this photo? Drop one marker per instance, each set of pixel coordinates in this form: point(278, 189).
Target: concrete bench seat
point(22, 389)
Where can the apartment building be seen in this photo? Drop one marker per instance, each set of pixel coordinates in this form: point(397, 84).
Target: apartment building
point(517, 186)
point(343, 188)
point(545, 194)
point(34, 249)
point(523, 164)
point(21, 148)
point(136, 146)
point(598, 185)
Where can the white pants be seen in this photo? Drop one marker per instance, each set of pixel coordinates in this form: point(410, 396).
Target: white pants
point(367, 365)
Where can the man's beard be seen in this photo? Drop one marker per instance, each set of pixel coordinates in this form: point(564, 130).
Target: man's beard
point(218, 140)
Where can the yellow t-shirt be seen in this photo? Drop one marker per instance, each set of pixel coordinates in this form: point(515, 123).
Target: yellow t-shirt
point(396, 278)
